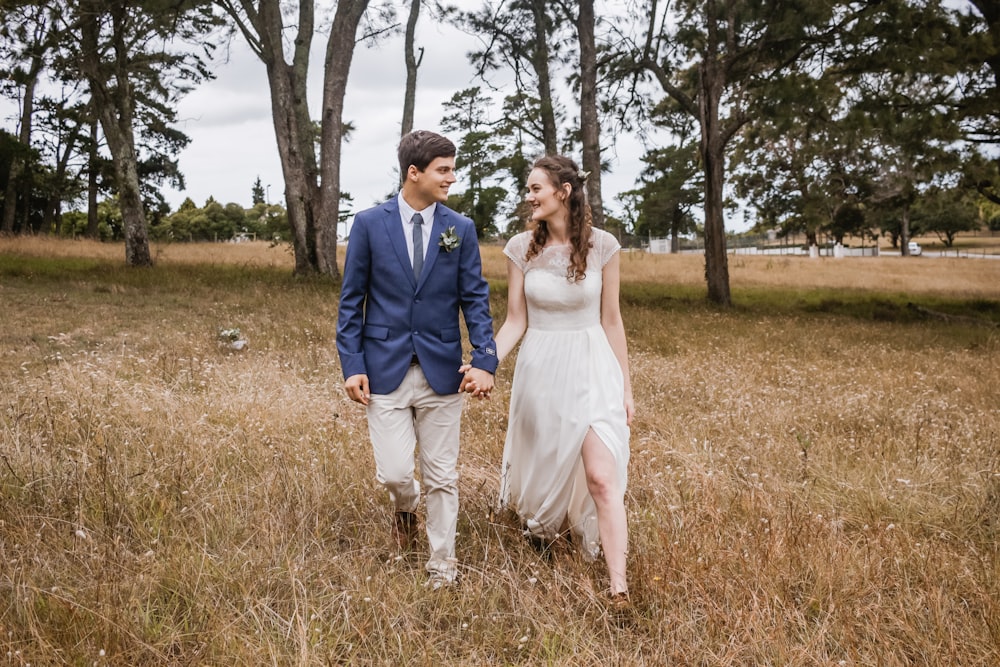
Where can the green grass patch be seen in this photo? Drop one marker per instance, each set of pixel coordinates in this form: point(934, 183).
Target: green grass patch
point(868, 305)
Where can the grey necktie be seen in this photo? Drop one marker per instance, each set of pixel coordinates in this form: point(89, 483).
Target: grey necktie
point(418, 244)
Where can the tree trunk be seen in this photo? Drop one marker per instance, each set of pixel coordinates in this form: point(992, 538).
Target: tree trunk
point(339, 54)
point(297, 195)
point(20, 158)
point(289, 106)
point(92, 223)
point(590, 127)
point(118, 132)
point(904, 231)
point(412, 64)
point(540, 62)
point(62, 166)
point(713, 158)
point(677, 218)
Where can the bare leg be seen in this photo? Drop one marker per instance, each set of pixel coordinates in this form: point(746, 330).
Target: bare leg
point(612, 523)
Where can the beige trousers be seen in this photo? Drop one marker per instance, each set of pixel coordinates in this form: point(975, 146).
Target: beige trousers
point(414, 414)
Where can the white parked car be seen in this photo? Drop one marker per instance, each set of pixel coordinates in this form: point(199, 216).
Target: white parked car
point(915, 248)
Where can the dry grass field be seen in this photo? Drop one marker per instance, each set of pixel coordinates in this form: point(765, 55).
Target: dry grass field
point(815, 474)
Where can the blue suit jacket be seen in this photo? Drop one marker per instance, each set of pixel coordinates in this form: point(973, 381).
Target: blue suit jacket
point(386, 315)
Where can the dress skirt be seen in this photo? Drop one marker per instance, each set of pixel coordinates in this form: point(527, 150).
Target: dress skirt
point(566, 381)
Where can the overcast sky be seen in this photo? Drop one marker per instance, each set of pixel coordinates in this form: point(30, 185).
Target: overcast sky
point(232, 136)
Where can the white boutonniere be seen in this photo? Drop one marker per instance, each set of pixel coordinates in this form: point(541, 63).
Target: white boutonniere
point(450, 240)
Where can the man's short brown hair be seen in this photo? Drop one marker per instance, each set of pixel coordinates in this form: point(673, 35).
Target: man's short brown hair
point(420, 148)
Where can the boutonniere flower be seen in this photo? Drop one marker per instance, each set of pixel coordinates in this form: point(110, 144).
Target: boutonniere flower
point(450, 240)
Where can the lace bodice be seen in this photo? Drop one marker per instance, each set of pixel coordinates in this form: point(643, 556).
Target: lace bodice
point(555, 303)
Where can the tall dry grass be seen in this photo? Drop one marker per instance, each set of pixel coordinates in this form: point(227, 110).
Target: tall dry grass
point(810, 484)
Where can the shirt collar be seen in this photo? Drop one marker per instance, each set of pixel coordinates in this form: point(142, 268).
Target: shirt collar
point(406, 211)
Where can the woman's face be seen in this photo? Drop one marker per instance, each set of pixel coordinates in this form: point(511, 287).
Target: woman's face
point(547, 202)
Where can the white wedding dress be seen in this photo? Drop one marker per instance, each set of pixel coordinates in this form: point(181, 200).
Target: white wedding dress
point(566, 380)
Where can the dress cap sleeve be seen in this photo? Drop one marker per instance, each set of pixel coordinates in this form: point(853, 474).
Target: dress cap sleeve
point(606, 245)
point(517, 248)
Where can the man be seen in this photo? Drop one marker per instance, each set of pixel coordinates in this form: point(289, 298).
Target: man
point(411, 265)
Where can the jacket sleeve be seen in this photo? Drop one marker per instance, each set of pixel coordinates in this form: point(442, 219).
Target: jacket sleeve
point(474, 293)
point(353, 291)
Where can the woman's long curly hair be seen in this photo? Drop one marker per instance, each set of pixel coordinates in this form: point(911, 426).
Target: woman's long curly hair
point(563, 170)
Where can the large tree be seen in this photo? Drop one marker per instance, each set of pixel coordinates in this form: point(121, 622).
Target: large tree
point(29, 37)
point(669, 189)
point(798, 165)
point(312, 186)
point(973, 50)
point(123, 53)
point(898, 97)
point(62, 135)
point(522, 38)
point(717, 60)
point(478, 149)
point(946, 212)
point(978, 54)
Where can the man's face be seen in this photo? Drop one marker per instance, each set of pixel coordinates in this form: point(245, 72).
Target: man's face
point(431, 185)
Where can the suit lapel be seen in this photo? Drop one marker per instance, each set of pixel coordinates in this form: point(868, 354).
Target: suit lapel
point(394, 230)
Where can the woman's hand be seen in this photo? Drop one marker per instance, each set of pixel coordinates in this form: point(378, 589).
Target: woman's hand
point(477, 382)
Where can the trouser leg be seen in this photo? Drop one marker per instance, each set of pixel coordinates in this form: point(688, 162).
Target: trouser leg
point(438, 425)
point(394, 439)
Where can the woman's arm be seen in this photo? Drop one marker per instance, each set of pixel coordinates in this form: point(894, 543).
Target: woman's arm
point(614, 328)
point(516, 321)
point(513, 327)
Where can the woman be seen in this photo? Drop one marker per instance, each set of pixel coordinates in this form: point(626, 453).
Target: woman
point(566, 451)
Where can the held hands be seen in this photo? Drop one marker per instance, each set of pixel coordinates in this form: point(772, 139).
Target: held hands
point(476, 381)
point(357, 389)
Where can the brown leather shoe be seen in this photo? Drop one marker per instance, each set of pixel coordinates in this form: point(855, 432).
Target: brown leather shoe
point(404, 530)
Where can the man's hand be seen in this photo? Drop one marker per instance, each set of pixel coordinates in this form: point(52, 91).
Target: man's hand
point(477, 382)
point(357, 390)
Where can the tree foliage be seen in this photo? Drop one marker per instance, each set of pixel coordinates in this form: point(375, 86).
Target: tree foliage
point(478, 147)
point(722, 62)
point(946, 212)
point(670, 189)
point(521, 38)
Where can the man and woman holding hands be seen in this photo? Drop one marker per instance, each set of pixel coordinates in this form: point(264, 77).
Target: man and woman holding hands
point(412, 266)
